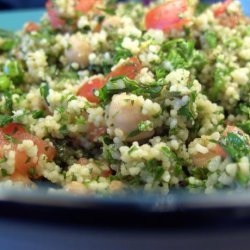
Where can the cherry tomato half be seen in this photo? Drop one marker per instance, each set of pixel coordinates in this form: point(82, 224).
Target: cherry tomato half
point(87, 90)
point(167, 16)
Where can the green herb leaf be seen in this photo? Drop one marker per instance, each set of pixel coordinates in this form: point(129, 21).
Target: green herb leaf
point(188, 109)
point(235, 145)
point(5, 83)
point(134, 133)
point(44, 91)
point(121, 53)
point(4, 172)
point(245, 126)
point(123, 84)
point(155, 168)
point(211, 39)
point(11, 139)
point(109, 11)
point(5, 119)
point(219, 83)
point(201, 7)
point(64, 130)
point(4, 159)
point(172, 156)
point(179, 53)
point(32, 172)
point(36, 114)
point(8, 101)
point(10, 40)
point(14, 70)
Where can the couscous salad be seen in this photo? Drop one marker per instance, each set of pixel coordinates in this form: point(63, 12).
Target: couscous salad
point(101, 97)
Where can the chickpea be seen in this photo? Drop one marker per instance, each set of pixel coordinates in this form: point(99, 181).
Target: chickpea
point(79, 51)
point(125, 113)
point(76, 188)
point(116, 186)
point(112, 22)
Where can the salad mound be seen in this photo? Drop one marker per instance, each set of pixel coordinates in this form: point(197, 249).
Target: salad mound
point(102, 97)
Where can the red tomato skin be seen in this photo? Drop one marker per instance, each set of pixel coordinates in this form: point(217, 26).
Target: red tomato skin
point(55, 20)
point(84, 6)
point(222, 8)
point(31, 26)
point(131, 68)
point(106, 173)
point(13, 128)
point(167, 16)
point(22, 162)
point(87, 90)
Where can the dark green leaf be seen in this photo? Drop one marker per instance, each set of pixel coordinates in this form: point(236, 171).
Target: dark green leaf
point(109, 11)
point(123, 84)
point(121, 53)
point(245, 126)
point(211, 39)
point(235, 145)
point(5, 119)
point(5, 83)
point(8, 101)
point(201, 7)
point(14, 70)
point(172, 156)
point(44, 91)
point(4, 172)
point(188, 109)
point(155, 168)
point(36, 114)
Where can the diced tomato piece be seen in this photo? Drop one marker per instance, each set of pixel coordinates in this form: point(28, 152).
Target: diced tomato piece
point(16, 177)
point(167, 16)
point(131, 68)
point(13, 128)
point(232, 129)
point(87, 90)
point(85, 6)
point(221, 9)
point(219, 150)
point(31, 26)
point(55, 20)
point(43, 146)
point(17, 134)
point(201, 160)
point(232, 21)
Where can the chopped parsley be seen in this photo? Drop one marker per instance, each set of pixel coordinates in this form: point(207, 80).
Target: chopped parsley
point(5, 119)
point(171, 155)
point(218, 83)
point(4, 159)
point(155, 168)
point(121, 84)
point(235, 145)
point(188, 109)
point(44, 91)
point(32, 172)
point(14, 70)
point(245, 126)
point(4, 172)
point(211, 39)
point(36, 114)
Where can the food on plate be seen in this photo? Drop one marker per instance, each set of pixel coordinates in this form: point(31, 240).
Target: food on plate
point(104, 97)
